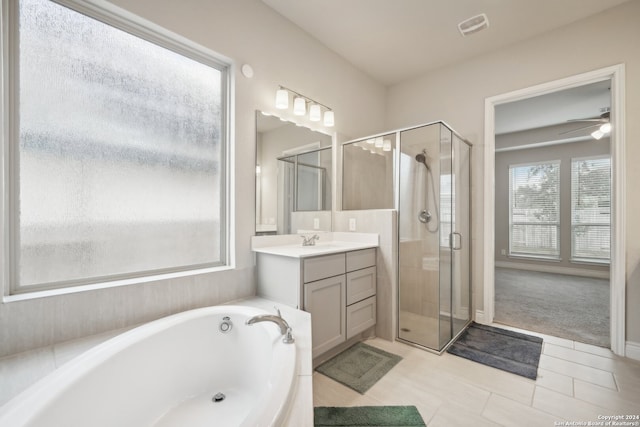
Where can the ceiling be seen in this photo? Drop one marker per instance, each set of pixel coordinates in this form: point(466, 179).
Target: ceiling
point(395, 40)
point(582, 102)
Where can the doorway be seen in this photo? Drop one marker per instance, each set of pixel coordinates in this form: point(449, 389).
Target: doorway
point(614, 75)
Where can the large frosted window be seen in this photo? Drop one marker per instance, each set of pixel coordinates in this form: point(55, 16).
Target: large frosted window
point(120, 153)
point(534, 210)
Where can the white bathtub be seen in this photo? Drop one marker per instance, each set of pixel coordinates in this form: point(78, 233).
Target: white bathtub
point(165, 373)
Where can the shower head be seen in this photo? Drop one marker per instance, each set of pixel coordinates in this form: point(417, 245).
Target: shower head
point(422, 158)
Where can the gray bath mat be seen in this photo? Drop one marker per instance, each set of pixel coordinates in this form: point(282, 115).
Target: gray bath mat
point(507, 350)
point(362, 416)
point(359, 367)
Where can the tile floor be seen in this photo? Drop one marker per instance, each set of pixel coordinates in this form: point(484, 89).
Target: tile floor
point(576, 382)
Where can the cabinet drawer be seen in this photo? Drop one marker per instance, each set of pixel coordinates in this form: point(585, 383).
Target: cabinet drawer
point(360, 316)
point(361, 284)
point(323, 266)
point(361, 259)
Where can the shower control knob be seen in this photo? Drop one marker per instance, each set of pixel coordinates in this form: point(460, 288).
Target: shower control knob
point(424, 216)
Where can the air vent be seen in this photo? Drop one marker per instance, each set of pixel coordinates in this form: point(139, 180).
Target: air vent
point(473, 24)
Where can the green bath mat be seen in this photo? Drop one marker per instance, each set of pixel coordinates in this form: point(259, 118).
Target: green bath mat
point(363, 416)
point(359, 367)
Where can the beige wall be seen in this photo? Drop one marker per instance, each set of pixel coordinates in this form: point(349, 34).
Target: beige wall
point(246, 31)
point(456, 95)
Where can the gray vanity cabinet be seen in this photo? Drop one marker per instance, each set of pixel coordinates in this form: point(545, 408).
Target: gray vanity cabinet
point(339, 290)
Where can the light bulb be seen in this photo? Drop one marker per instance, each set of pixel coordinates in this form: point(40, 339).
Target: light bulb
point(314, 113)
point(597, 134)
point(605, 128)
point(282, 99)
point(329, 119)
point(299, 106)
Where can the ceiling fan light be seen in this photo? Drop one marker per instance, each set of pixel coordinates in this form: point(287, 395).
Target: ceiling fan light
point(597, 134)
point(605, 128)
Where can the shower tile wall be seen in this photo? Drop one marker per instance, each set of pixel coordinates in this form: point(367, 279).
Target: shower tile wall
point(420, 279)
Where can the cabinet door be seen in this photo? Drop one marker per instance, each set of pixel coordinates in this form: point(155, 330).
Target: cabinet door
point(325, 300)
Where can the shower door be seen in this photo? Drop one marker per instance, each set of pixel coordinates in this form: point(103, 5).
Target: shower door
point(433, 227)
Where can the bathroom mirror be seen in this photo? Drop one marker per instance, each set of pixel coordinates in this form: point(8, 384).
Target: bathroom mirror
point(293, 177)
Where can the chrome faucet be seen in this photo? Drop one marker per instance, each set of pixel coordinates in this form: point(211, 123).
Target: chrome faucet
point(285, 329)
point(310, 241)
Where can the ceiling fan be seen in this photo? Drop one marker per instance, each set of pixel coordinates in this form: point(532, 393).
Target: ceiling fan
point(602, 123)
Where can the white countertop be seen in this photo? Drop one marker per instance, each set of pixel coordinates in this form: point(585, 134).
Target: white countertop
point(290, 245)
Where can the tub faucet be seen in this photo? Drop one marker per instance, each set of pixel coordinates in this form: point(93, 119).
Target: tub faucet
point(310, 241)
point(285, 329)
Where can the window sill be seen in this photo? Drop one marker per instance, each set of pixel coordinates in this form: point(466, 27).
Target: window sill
point(115, 283)
point(534, 258)
point(604, 263)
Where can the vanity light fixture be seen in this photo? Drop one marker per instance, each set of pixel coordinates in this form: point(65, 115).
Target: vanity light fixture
point(329, 119)
point(300, 106)
point(282, 99)
point(314, 113)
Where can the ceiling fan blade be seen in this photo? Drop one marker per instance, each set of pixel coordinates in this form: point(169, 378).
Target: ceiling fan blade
point(579, 129)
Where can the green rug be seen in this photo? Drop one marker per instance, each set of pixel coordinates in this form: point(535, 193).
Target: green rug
point(369, 416)
point(359, 367)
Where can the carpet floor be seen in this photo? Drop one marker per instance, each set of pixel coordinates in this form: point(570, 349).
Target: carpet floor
point(571, 307)
point(364, 416)
point(499, 348)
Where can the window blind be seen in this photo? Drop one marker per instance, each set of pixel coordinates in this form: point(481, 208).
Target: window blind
point(534, 210)
point(591, 209)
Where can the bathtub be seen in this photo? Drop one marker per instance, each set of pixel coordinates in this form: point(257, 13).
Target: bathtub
point(169, 372)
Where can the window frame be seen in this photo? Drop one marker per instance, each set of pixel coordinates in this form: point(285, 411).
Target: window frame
point(136, 26)
point(525, 255)
point(589, 260)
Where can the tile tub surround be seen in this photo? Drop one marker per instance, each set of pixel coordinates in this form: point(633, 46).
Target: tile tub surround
point(20, 371)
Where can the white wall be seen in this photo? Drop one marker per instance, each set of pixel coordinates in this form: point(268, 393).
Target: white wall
point(456, 95)
point(246, 31)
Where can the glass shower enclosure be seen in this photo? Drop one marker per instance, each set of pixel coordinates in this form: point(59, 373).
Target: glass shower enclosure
point(424, 173)
point(434, 286)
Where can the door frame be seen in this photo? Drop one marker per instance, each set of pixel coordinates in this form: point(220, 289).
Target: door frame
point(617, 278)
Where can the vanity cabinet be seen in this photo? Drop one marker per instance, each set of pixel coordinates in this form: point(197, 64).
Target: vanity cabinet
point(338, 289)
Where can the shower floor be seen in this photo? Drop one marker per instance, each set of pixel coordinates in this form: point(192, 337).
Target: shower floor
point(427, 331)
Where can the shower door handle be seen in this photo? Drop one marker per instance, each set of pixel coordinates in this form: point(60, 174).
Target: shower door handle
point(452, 241)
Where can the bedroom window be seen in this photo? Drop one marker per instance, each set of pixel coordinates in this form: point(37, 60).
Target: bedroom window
point(118, 146)
point(591, 209)
point(534, 210)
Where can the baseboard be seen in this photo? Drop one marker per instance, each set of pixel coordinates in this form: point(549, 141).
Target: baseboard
point(598, 274)
point(632, 350)
point(480, 317)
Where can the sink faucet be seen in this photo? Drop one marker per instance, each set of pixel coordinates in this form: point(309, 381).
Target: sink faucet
point(310, 241)
point(285, 329)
